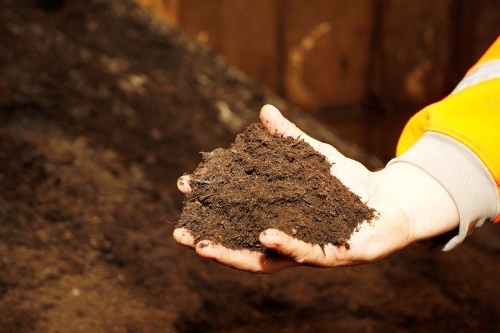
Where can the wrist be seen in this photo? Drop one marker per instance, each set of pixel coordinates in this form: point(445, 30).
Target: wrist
point(428, 207)
point(462, 174)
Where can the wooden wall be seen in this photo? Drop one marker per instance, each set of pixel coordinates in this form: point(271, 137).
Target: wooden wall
point(335, 53)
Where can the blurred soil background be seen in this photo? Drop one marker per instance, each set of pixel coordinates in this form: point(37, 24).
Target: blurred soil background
point(103, 105)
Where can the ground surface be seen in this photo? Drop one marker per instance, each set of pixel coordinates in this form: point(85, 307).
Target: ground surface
point(101, 109)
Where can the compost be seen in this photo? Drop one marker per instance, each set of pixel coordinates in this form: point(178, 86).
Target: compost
point(265, 181)
point(102, 108)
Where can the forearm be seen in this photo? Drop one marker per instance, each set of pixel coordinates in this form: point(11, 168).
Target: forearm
point(456, 186)
point(456, 140)
point(428, 207)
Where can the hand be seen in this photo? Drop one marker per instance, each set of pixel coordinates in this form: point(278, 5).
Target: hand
point(411, 206)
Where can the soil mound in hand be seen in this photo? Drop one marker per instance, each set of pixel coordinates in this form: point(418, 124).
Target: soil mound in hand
point(264, 181)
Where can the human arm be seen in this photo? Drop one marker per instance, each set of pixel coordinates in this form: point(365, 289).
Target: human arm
point(411, 206)
point(446, 176)
point(457, 140)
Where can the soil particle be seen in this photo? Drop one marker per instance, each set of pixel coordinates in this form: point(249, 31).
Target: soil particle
point(264, 181)
point(90, 152)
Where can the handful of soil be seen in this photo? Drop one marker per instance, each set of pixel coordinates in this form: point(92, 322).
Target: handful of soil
point(264, 181)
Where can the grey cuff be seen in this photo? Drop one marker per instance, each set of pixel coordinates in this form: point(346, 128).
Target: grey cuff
point(460, 171)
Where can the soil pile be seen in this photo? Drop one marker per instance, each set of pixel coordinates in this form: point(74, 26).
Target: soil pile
point(102, 108)
point(264, 181)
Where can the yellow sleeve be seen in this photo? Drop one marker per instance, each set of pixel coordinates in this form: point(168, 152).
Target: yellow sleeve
point(470, 115)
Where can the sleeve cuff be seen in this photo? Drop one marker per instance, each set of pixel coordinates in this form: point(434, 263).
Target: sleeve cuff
point(460, 171)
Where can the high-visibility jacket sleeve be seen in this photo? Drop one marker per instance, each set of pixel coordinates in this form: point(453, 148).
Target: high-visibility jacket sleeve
point(457, 141)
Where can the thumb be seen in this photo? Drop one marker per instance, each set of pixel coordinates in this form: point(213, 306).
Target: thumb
point(272, 119)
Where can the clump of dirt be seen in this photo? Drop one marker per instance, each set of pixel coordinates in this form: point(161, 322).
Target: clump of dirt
point(265, 181)
point(101, 109)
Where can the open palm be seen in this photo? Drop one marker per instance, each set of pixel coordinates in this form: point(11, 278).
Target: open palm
point(399, 222)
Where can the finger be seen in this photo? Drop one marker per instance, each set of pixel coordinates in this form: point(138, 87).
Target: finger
point(243, 260)
point(184, 184)
point(300, 251)
point(184, 237)
point(275, 123)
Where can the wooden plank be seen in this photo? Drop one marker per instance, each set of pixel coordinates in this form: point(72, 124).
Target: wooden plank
point(476, 27)
point(327, 50)
point(243, 31)
point(250, 37)
point(412, 52)
point(167, 9)
point(199, 19)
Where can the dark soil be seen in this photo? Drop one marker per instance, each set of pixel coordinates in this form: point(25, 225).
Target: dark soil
point(101, 110)
point(263, 181)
